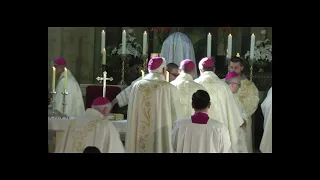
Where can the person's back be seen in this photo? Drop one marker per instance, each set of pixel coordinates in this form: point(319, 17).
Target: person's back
point(153, 106)
point(93, 129)
point(186, 86)
point(199, 133)
point(74, 100)
point(223, 106)
point(266, 141)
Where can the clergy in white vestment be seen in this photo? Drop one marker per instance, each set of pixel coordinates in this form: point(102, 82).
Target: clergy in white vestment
point(186, 86)
point(153, 106)
point(93, 128)
point(223, 106)
point(248, 95)
point(266, 107)
point(123, 97)
point(199, 133)
point(234, 82)
point(74, 100)
point(75, 104)
point(176, 48)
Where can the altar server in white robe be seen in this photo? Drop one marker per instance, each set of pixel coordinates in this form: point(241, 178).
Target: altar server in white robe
point(186, 86)
point(74, 100)
point(75, 104)
point(266, 141)
point(123, 97)
point(223, 106)
point(234, 82)
point(199, 133)
point(153, 106)
point(94, 129)
point(176, 48)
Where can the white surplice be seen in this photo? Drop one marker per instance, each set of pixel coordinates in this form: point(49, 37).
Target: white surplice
point(91, 129)
point(223, 106)
point(178, 47)
point(186, 87)
point(123, 96)
point(188, 137)
point(153, 107)
point(266, 107)
point(75, 104)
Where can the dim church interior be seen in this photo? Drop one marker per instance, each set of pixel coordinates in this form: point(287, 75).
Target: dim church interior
point(81, 47)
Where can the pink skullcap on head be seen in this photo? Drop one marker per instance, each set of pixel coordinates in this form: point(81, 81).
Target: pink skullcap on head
point(100, 101)
point(231, 75)
point(187, 64)
point(206, 62)
point(60, 61)
point(155, 63)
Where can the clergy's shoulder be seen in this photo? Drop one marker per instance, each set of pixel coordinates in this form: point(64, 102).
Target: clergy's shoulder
point(183, 120)
point(216, 124)
point(248, 83)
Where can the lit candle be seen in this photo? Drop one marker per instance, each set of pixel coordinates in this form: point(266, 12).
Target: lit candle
point(144, 48)
point(209, 41)
point(103, 41)
point(104, 57)
point(65, 78)
point(229, 46)
point(53, 77)
point(167, 76)
point(253, 40)
point(238, 55)
point(124, 41)
point(142, 73)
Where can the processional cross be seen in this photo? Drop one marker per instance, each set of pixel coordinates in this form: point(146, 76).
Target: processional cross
point(104, 79)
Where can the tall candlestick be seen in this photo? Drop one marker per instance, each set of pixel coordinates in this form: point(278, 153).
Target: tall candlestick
point(167, 76)
point(209, 42)
point(142, 73)
point(103, 41)
point(124, 41)
point(65, 78)
point(144, 48)
point(229, 46)
point(53, 77)
point(253, 40)
point(104, 57)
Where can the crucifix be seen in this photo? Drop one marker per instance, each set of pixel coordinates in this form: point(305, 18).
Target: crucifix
point(104, 79)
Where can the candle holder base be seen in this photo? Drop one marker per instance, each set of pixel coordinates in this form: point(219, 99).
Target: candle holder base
point(53, 92)
point(64, 102)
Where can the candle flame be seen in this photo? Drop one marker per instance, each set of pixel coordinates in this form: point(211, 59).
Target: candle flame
point(252, 34)
point(104, 49)
point(124, 31)
point(230, 35)
point(103, 31)
point(142, 71)
point(145, 32)
point(53, 68)
point(65, 68)
point(209, 34)
point(238, 55)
